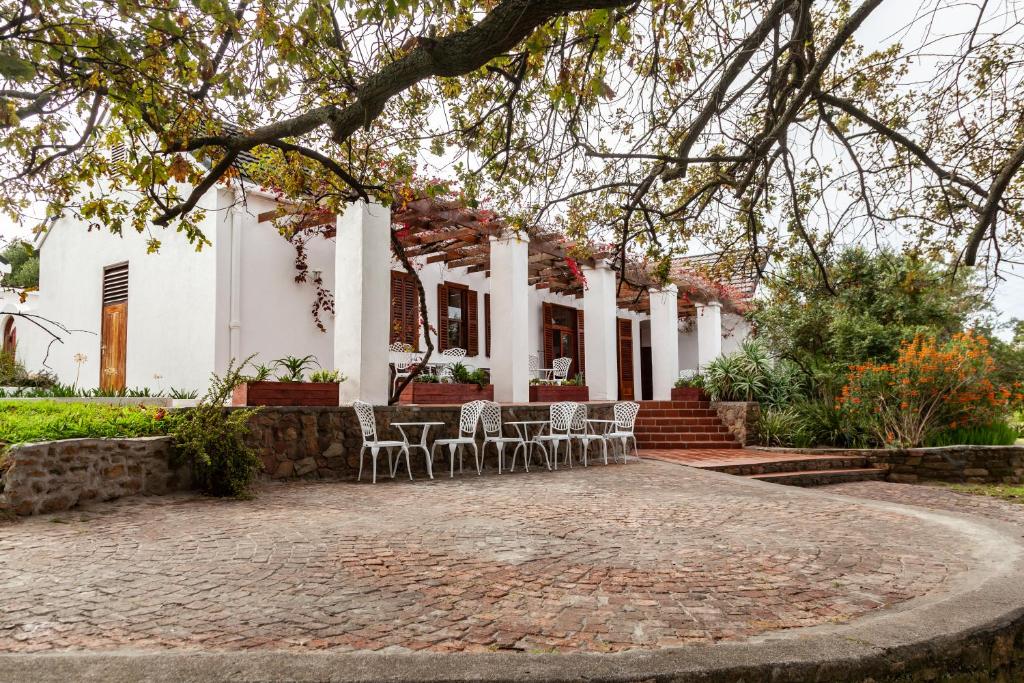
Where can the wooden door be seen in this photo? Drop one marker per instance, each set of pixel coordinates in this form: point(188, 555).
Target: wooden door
point(625, 354)
point(114, 328)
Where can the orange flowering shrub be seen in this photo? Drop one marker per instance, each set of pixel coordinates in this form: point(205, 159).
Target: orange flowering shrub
point(931, 387)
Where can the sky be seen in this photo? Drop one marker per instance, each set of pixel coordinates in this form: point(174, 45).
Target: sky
point(883, 27)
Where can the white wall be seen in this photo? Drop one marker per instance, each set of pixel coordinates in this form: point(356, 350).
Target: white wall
point(735, 329)
point(170, 304)
point(275, 316)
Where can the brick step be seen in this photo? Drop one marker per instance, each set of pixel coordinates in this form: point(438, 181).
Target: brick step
point(646, 405)
point(664, 421)
point(676, 427)
point(822, 477)
point(808, 464)
point(685, 436)
point(688, 441)
point(677, 412)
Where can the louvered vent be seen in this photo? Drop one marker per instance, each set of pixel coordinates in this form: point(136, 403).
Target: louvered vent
point(118, 153)
point(115, 284)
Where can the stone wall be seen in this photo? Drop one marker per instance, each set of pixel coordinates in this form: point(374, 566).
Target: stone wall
point(741, 417)
point(954, 464)
point(57, 475)
point(324, 443)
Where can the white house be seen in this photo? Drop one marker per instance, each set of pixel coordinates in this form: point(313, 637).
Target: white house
point(170, 319)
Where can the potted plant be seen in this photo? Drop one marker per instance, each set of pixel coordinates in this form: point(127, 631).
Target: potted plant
point(689, 387)
point(549, 391)
point(289, 388)
point(463, 385)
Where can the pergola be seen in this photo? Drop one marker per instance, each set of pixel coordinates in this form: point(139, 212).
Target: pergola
point(515, 261)
point(447, 230)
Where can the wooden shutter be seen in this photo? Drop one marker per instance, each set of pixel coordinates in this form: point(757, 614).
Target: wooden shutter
point(625, 346)
point(580, 346)
point(442, 317)
point(114, 327)
point(546, 344)
point(473, 337)
point(487, 321)
point(405, 319)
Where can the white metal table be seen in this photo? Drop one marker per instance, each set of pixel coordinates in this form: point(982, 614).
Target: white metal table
point(523, 428)
point(422, 444)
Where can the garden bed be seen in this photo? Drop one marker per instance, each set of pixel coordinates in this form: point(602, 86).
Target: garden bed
point(286, 394)
point(553, 393)
point(430, 393)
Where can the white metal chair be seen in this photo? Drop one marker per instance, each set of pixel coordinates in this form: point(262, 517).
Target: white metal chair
point(560, 369)
point(469, 415)
point(559, 426)
point(402, 363)
point(450, 357)
point(490, 419)
point(364, 411)
point(580, 431)
point(625, 419)
point(536, 370)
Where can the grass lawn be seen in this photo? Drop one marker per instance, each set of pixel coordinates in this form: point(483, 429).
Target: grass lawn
point(29, 421)
point(1014, 494)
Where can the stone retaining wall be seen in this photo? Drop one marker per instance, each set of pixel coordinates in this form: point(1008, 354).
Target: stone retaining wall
point(324, 443)
point(741, 417)
point(954, 464)
point(57, 475)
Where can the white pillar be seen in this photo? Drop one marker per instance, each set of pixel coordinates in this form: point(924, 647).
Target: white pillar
point(599, 332)
point(664, 341)
point(362, 292)
point(510, 314)
point(709, 333)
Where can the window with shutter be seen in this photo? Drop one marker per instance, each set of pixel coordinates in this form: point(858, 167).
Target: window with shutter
point(547, 330)
point(405, 319)
point(456, 318)
point(625, 357)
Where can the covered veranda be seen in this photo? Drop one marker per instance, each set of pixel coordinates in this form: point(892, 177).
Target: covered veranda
point(514, 263)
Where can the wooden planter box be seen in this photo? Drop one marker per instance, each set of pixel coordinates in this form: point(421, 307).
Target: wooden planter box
point(286, 394)
point(688, 394)
point(424, 393)
point(553, 393)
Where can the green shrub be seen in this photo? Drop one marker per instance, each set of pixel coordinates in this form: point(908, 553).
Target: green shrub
point(996, 434)
point(211, 439)
point(30, 421)
point(326, 377)
point(750, 374)
point(779, 427)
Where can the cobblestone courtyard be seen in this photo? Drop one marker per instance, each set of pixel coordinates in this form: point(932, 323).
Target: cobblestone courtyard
point(610, 558)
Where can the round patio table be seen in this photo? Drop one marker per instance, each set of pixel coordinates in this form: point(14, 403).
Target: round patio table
point(523, 428)
point(422, 443)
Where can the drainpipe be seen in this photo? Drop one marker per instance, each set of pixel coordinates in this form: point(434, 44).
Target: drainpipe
point(235, 306)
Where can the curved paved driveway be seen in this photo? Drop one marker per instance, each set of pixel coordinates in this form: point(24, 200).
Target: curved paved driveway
point(610, 558)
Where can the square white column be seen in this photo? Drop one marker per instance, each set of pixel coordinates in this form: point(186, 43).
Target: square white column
point(510, 317)
point(599, 332)
point(664, 341)
point(709, 333)
point(362, 293)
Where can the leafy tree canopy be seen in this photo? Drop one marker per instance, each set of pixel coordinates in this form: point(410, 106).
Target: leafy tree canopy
point(648, 122)
point(882, 299)
point(24, 262)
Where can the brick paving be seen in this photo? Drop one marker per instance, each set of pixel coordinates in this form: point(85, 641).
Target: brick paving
point(610, 558)
point(934, 497)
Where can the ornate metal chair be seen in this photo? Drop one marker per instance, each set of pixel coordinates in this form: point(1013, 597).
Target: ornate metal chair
point(559, 430)
point(580, 431)
point(469, 415)
point(625, 419)
point(402, 363)
point(364, 411)
point(560, 369)
point(490, 418)
point(449, 356)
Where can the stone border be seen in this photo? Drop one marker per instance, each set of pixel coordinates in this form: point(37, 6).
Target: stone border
point(953, 464)
point(974, 630)
point(741, 418)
